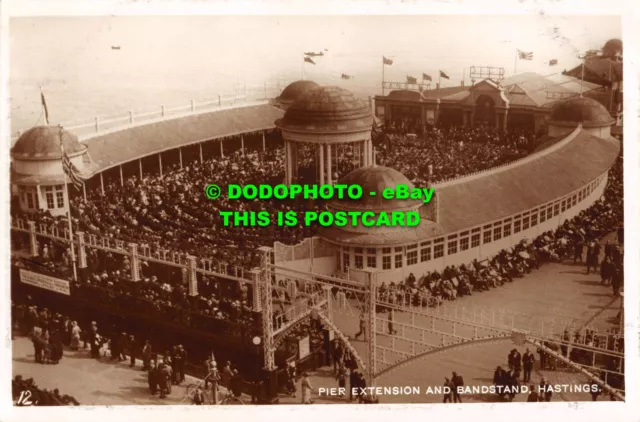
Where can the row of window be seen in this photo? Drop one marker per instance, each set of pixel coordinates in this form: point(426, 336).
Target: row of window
point(460, 242)
point(53, 195)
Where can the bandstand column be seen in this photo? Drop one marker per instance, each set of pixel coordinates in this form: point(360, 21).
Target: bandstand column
point(121, 176)
point(160, 163)
point(504, 120)
point(498, 120)
point(242, 144)
point(201, 156)
point(180, 154)
point(101, 183)
point(329, 171)
point(365, 154)
point(370, 152)
point(321, 164)
point(140, 166)
point(221, 149)
point(264, 142)
point(294, 162)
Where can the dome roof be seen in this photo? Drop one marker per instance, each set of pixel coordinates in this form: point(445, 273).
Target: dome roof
point(580, 110)
point(327, 109)
point(295, 90)
point(612, 47)
point(376, 179)
point(43, 142)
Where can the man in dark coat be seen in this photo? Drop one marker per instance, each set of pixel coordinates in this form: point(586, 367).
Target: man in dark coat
point(617, 279)
point(527, 362)
point(593, 252)
point(121, 346)
point(457, 382)
point(499, 381)
point(606, 271)
point(353, 383)
point(180, 360)
point(152, 378)
point(533, 394)
point(133, 349)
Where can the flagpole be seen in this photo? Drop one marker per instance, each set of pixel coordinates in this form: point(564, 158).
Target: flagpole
point(44, 107)
point(66, 186)
point(383, 76)
point(582, 75)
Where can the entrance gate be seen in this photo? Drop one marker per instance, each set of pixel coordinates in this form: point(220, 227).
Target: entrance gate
point(405, 331)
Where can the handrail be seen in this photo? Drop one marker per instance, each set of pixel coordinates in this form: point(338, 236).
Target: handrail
point(126, 118)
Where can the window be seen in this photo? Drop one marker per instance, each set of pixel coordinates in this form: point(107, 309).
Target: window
point(414, 246)
point(399, 249)
point(371, 261)
point(60, 198)
point(438, 251)
point(412, 258)
point(452, 247)
point(475, 240)
point(534, 219)
point(427, 243)
point(345, 261)
point(556, 209)
point(358, 250)
point(564, 206)
point(425, 254)
point(506, 230)
point(525, 223)
point(464, 243)
point(359, 261)
point(549, 212)
point(50, 204)
point(371, 251)
point(580, 196)
point(386, 250)
point(497, 233)
point(486, 238)
point(574, 200)
point(386, 262)
point(30, 202)
point(516, 226)
point(543, 216)
point(399, 261)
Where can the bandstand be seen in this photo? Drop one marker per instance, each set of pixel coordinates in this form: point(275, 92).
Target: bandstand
point(335, 123)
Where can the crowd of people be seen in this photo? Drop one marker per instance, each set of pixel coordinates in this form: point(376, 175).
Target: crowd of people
point(25, 392)
point(565, 243)
point(447, 153)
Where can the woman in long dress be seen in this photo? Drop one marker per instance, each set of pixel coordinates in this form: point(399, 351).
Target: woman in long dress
point(75, 335)
point(306, 389)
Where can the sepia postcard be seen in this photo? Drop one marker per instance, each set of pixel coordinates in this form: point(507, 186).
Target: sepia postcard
point(289, 207)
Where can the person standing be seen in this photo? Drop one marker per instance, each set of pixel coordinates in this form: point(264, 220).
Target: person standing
point(133, 348)
point(180, 359)
point(458, 383)
point(392, 331)
point(617, 279)
point(363, 328)
point(307, 388)
point(152, 378)
point(533, 394)
point(353, 383)
point(448, 390)
point(527, 362)
point(606, 271)
point(75, 335)
point(342, 379)
point(146, 355)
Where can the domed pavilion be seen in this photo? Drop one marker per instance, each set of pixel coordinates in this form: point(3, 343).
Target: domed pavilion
point(292, 92)
point(334, 123)
point(566, 115)
point(36, 170)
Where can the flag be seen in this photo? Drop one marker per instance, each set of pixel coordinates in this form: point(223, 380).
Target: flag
point(44, 106)
point(524, 55)
point(426, 77)
point(386, 61)
point(70, 170)
point(443, 75)
point(553, 62)
point(411, 80)
point(308, 60)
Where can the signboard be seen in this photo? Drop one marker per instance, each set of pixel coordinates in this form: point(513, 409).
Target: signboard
point(304, 347)
point(431, 116)
point(45, 282)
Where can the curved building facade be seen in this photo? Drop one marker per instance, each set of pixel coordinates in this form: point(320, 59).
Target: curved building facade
point(476, 216)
